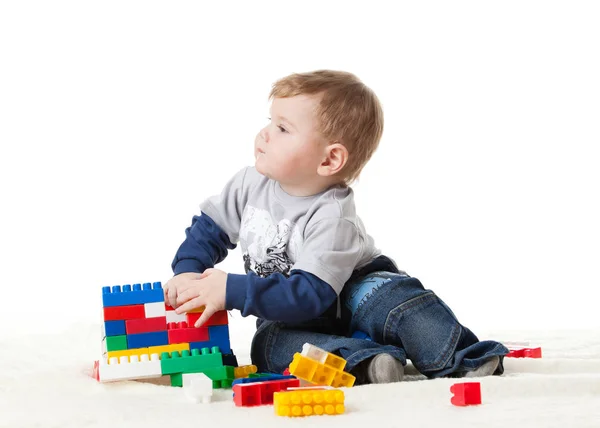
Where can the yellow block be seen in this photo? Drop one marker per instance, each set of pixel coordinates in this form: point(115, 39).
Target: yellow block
point(148, 351)
point(127, 353)
point(309, 402)
point(244, 371)
point(319, 374)
point(197, 310)
point(169, 348)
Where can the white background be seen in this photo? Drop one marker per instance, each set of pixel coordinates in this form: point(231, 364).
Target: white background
point(117, 118)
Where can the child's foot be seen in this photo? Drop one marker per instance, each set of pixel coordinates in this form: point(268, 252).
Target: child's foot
point(487, 369)
point(383, 368)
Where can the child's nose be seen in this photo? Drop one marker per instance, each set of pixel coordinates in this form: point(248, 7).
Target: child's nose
point(264, 135)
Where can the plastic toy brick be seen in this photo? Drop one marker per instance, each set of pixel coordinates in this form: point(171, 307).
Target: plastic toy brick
point(286, 372)
point(323, 357)
point(128, 368)
point(361, 335)
point(264, 378)
point(197, 387)
point(131, 312)
point(146, 325)
point(138, 295)
point(150, 350)
point(309, 402)
point(145, 340)
point(218, 335)
point(230, 360)
point(182, 333)
point(169, 348)
point(319, 374)
point(260, 393)
point(525, 353)
point(219, 318)
point(221, 376)
point(465, 394)
point(173, 316)
point(114, 328)
point(154, 310)
point(115, 343)
point(195, 361)
point(244, 371)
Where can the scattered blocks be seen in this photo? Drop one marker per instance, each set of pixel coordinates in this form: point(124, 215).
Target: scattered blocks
point(465, 394)
point(307, 402)
point(525, 353)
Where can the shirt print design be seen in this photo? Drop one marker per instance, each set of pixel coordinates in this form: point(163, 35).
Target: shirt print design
point(268, 247)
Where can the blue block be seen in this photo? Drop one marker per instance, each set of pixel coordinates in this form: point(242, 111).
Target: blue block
point(148, 293)
point(262, 379)
point(361, 335)
point(219, 335)
point(144, 340)
point(114, 328)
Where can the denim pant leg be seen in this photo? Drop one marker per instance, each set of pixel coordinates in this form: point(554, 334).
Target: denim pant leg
point(394, 309)
point(275, 343)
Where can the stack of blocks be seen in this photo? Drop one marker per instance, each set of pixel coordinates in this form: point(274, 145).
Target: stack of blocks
point(143, 337)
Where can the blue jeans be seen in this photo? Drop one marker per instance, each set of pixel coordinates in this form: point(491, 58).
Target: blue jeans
point(399, 315)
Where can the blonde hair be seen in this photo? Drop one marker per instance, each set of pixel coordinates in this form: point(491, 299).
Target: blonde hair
point(349, 112)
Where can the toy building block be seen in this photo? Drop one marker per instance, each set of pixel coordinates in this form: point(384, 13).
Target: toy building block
point(260, 393)
point(146, 325)
point(286, 372)
point(465, 394)
point(309, 402)
point(128, 312)
point(173, 316)
point(191, 362)
point(264, 378)
point(114, 343)
point(193, 311)
point(154, 310)
point(361, 335)
point(218, 318)
point(221, 377)
point(128, 368)
point(197, 387)
point(219, 336)
point(182, 333)
point(230, 360)
point(244, 371)
point(145, 340)
point(140, 294)
point(323, 357)
point(114, 328)
point(319, 374)
point(525, 353)
point(150, 350)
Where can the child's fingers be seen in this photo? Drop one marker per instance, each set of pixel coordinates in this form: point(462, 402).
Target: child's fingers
point(208, 312)
point(190, 304)
point(172, 297)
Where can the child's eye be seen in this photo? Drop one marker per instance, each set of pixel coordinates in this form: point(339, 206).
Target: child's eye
point(281, 128)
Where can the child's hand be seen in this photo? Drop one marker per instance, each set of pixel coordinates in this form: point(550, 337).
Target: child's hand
point(178, 284)
point(208, 291)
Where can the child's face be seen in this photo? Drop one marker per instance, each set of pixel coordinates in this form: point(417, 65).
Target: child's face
point(290, 148)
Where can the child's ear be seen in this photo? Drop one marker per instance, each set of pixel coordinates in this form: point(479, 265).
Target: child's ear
point(335, 160)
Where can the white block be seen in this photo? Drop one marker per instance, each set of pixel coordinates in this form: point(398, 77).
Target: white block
point(172, 316)
point(155, 310)
point(197, 387)
point(314, 353)
point(130, 368)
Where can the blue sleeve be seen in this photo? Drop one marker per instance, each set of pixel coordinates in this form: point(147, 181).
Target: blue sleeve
point(205, 245)
point(300, 297)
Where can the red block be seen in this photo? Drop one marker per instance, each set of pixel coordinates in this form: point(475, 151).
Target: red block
point(466, 393)
point(515, 353)
point(218, 318)
point(146, 325)
point(181, 333)
point(286, 372)
point(129, 312)
point(532, 352)
point(260, 393)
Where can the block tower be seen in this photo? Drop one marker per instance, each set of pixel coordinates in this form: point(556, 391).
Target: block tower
point(143, 337)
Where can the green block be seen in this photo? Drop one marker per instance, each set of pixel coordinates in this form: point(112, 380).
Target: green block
point(195, 362)
point(222, 377)
point(116, 343)
point(177, 379)
point(255, 375)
